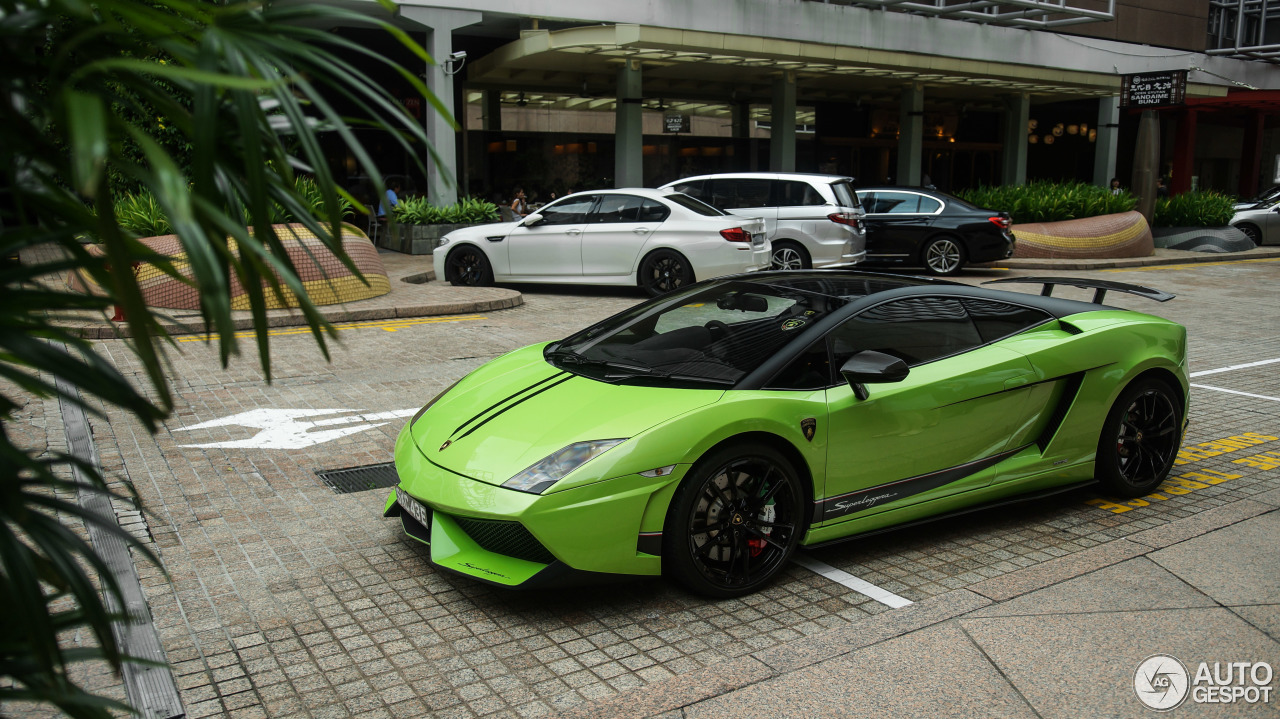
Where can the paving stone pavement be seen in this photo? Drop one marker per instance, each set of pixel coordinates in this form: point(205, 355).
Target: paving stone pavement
point(285, 599)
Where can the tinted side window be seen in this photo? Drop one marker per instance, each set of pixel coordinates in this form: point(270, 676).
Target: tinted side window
point(928, 204)
point(792, 193)
point(896, 203)
point(915, 330)
point(692, 189)
point(845, 194)
point(653, 211)
point(739, 192)
point(811, 370)
point(617, 208)
point(997, 320)
point(569, 211)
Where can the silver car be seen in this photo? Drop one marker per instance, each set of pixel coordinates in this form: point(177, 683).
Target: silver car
point(1260, 221)
point(812, 220)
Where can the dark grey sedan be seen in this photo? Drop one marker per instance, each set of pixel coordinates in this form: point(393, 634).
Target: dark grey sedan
point(930, 229)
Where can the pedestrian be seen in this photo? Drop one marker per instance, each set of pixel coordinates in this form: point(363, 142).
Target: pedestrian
point(1115, 186)
point(520, 205)
point(1161, 190)
point(392, 200)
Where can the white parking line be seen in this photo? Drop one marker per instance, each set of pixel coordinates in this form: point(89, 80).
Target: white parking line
point(1232, 391)
point(1233, 367)
point(838, 576)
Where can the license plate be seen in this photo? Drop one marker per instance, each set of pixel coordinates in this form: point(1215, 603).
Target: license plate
point(414, 508)
point(757, 239)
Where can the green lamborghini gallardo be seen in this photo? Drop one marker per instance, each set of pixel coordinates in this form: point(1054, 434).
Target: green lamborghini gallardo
point(708, 433)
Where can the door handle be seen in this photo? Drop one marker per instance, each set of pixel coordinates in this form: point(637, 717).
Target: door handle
point(641, 230)
point(573, 232)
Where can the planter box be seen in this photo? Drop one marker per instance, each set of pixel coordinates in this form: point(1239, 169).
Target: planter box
point(417, 239)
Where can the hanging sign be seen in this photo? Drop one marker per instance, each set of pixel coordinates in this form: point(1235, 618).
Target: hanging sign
point(675, 122)
point(1154, 89)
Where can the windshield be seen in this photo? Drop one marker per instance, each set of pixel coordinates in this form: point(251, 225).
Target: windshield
point(709, 336)
point(694, 204)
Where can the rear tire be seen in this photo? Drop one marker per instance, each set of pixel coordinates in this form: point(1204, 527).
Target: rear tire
point(664, 271)
point(1252, 232)
point(467, 266)
point(1140, 439)
point(789, 256)
point(734, 522)
point(943, 256)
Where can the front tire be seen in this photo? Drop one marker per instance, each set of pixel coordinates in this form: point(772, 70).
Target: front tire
point(943, 256)
point(467, 266)
point(734, 522)
point(789, 256)
point(1252, 232)
point(1140, 439)
point(664, 271)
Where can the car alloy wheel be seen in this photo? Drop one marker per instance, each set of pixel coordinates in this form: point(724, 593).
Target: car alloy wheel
point(943, 256)
point(469, 267)
point(1140, 439)
point(1252, 232)
point(664, 271)
point(787, 257)
point(734, 525)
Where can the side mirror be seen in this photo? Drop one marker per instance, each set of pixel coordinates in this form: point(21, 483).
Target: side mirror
point(531, 220)
point(871, 367)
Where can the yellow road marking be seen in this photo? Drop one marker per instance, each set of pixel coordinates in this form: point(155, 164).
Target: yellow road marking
point(1191, 265)
point(389, 325)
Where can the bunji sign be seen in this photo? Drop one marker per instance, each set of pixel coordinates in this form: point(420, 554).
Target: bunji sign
point(1154, 89)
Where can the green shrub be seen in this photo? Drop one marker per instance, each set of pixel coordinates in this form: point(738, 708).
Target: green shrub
point(1044, 201)
point(468, 210)
point(1194, 209)
point(139, 213)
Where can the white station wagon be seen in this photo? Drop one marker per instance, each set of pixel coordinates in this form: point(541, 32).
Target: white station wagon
point(655, 239)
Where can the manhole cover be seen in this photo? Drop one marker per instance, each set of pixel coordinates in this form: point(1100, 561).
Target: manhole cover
point(360, 479)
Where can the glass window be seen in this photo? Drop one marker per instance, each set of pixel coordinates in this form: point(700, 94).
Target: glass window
point(792, 193)
point(692, 189)
point(739, 192)
point(929, 205)
point(915, 330)
point(846, 196)
point(811, 370)
point(653, 211)
point(897, 203)
point(997, 320)
point(617, 208)
point(697, 206)
point(569, 211)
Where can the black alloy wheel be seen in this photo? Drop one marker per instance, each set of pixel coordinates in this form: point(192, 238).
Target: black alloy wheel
point(734, 522)
point(1140, 439)
point(664, 271)
point(943, 256)
point(789, 256)
point(1252, 232)
point(468, 267)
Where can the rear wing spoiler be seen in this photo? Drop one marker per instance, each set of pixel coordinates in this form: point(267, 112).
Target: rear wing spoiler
point(1099, 287)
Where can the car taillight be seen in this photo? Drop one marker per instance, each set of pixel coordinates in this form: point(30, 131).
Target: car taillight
point(736, 234)
point(1001, 222)
point(851, 219)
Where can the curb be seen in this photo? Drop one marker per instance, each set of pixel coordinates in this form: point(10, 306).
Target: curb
point(1161, 257)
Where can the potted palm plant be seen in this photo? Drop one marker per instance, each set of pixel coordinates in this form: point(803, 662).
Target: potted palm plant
point(420, 225)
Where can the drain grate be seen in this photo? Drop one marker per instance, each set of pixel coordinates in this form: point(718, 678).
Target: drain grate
point(360, 479)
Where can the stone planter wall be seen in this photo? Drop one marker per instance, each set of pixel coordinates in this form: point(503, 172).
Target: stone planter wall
point(417, 239)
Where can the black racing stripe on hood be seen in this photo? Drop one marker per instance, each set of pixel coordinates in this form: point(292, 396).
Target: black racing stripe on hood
point(499, 413)
point(505, 399)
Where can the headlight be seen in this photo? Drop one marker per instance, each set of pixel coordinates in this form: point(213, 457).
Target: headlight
point(435, 399)
point(536, 479)
point(442, 242)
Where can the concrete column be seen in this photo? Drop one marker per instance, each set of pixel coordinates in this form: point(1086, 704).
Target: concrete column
point(1016, 115)
point(740, 121)
point(442, 170)
point(492, 110)
point(1251, 157)
point(782, 118)
point(1184, 152)
point(910, 135)
point(628, 153)
point(1146, 159)
point(1104, 150)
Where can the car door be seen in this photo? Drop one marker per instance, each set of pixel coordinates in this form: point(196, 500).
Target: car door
point(744, 196)
point(898, 222)
point(929, 435)
point(616, 229)
point(552, 247)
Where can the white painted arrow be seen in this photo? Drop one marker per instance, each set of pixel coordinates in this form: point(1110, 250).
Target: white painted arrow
point(284, 428)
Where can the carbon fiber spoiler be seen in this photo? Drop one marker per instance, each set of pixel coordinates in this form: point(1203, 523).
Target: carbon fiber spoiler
point(1099, 287)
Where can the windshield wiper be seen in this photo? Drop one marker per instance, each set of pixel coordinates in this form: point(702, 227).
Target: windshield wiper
point(573, 358)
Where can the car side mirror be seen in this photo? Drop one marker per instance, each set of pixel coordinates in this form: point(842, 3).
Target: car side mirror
point(531, 220)
point(871, 367)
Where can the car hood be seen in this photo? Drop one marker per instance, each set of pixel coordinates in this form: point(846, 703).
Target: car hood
point(491, 229)
point(518, 409)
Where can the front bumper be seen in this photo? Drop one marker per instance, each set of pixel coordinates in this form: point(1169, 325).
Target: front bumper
point(515, 539)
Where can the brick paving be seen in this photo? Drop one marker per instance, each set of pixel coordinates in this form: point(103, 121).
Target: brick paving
point(284, 599)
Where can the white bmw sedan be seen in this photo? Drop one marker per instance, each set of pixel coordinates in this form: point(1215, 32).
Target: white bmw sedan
point(658, 240)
